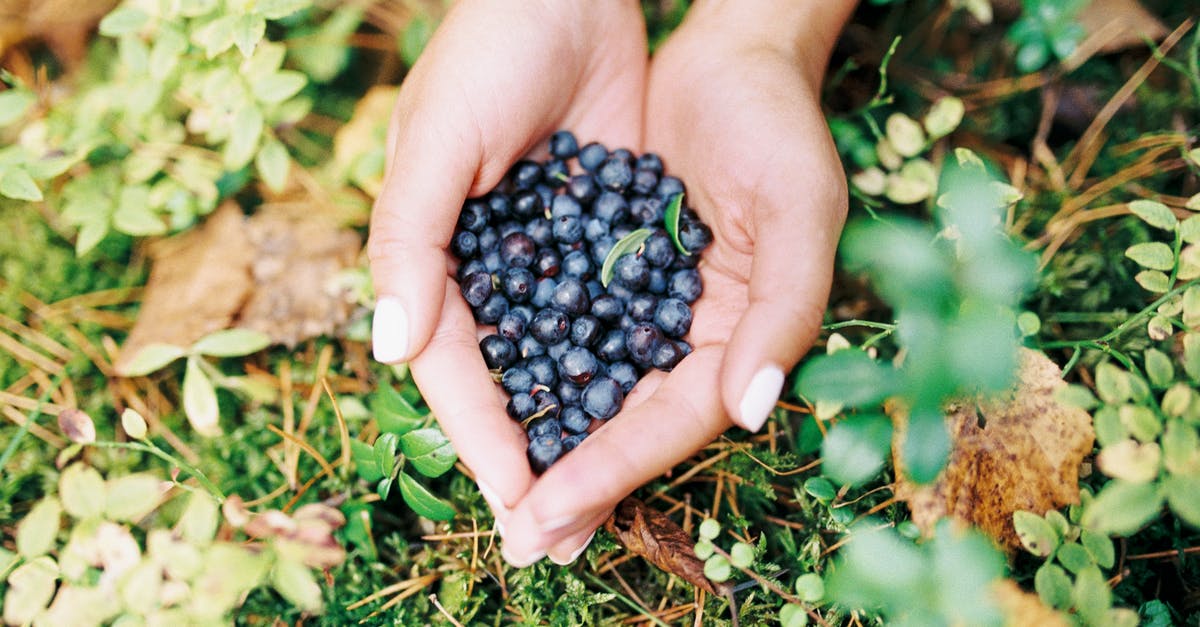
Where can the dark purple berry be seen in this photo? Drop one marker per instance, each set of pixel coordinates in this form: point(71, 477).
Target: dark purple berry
point(498, 352)
point(571, 296)
point(612, 346)
point(549, 326)
point(526, 204)
point(666, 355)
point(632, 272)
point(624, 373)
point(511, 327)
point(555, 173)
point(564, 205)
point(570, 442)
point(525, 174)
point(583, 187)
point(517, 250)
point(650, 161)
point(641, 340)
point(602, 398)
point(563, 145)
point(476, 288)
point(574, 419)
point(520, 406)
point(585, 330)
point(684, 285)
point(614, 174)
point(591, 156)
point(608, 308)
point(464, 245)
point(544, 370)
point(491, 310)
point(474, 217)
point(543, 452)
point(641, 307)
point(547, 262)
point(669, 186)
point(659, 250)
point(577, 365)
point(644, 181)
point(544, 426)
point(694, 236)
point(673, 316)
point(516, 381)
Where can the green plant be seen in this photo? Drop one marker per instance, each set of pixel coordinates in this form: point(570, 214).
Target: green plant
point(1046, 27)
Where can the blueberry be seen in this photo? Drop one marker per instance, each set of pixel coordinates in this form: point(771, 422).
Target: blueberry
point(543, 292)
point(544, 426)
point(526, 204)
point(595, 290)
point(549, 326)
point(571, 296)
point(591, 156)
point(493, 262)
point(641, 340)
point(574, 419)
point(650, 161)
point(583, 187)
point(694, 236)
point(529, 347)
point(568, 229)
point(473, 266)
point(641, 307)
point(518, 284)
point(525, 311)
point(608, 308)
point(517, 250)
point(498, 352)
point(585, 330)
point(578, 365)
point(577, 265)
point(612, 346)
point(570, 442)
point(544, 370)
point(614, 174)
point(520, 407)
point(684, 285)
point(464, 245)
point(541, 231)
point(610, 207)
point(499, 205)
point(547, 262)
point(644, 181)
point(547, 403)
point(476, 289)
point(595, 229)
point(668, 186)
point(511, 327)
point(601, 248)
point(545, 192)
point(568, 393)
point(626, 323)
point(525, 174)
point(666, 355)
point(505, 229)
point(555, 351)
point(658, 249)
point(543, 452)
point(632, 272)
point(673, 316)
point(556, 173)
point(491, 310)
point(564, 205)
point(647, 210)
point(624, 154)
point(516, 380)
point(658, 282)
point(602, 398)
point(563, 144)
point(474, 217)
point(624, 373)
point(489, 240)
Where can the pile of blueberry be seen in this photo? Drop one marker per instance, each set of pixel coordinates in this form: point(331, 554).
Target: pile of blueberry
point(588, 279)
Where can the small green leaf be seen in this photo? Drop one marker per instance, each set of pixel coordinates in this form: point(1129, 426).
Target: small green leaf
point(1189, 229)
point(429, 451)
point(133, 423)
point(1130, 461)
point(37, 530)
point(1053, 586)
point(1154, 213)
point(1091, 595)
point(1141, 422)
point(123, 21)
point(13, 105)
point(422, 501)
point(1178, 399)
point(1112, 384)
point(134, 215)
point(1099, 546)
point(1076, 395)
point(905, 135)
point(132, 497)
point(671, 221)
point(200, 519)
point(385, 487)
point(364, 461)
point(1122, 508)
point(217, 36)
point(272, 163)
point(857, 448)
point(1152, 255)
point(741, 555)
point(30, 588)
point(1191, 354)
point(16, 183)
point(200, 399)
point(90, 234)
point(1074, 557)
point(849, 377)
point(810, 587)
point(1035, 533)
point(279, 86)
point(944, 116)
point(710, 529)
point(717, 568)
point(385, 452)
point(792, 615)
point(1028, 323)
point(1181, 449)
point(1153, 281)
point(248, 31)
point(295, 582)
point(820, 488)
point(82, 491)
point(243, 137)
point(626, 245)
point(1159, 368)
point(232, 343)
point(393, 412)
point(1182, 494)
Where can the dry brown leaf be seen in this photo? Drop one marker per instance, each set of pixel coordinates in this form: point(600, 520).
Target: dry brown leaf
point(1025, 456)
point(64, 24)
point(652, 535)
point(366, 129)
point(1022, 608)
point(1122, 24)
point(271, 272)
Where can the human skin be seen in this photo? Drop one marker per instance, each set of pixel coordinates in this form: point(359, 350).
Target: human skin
point(731, 103)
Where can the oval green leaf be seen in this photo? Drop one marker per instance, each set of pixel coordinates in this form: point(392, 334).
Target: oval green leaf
point(1152, 255)
point(1035, 533)
point(1181, 495)
point(82, 491)
point(1053, 586)
point(385, 453)
point(131, 497)
point(272, 163)
point(628, 244)
point(152, 357)
point(1154, 213)
point(37, 530)
point(16, 183)
point(422, 501)
point(671, 222)
point(393, 412)
point(849, 377)
point(232, 343)
point(856, 448)
point(200, 399)
point(429, 451)
point(294, 582)
point(1122, 508)
point(364, 461)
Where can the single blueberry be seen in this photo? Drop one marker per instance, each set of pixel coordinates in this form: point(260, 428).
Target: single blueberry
point(517, 250)
point(529, 347)
point(668, 186)
point(544, 292)
point(544, 426)
point(658, 282)
point(546, 193)
point(608, 308)
point(568, 229)
point(499, 205)
point(564, 205)
point(464, 245)
point(489, 239)
point(498, 352)
point(673, 316)
point(601, 248)
point(571, 442)
point(632, 272)
point(650, 161)
point(658, 249)
point(612, 346)
point(577, 265)
point(614, 174)
point(549, 326)
point(591, 156)
point(641, 307)
point(641, 340)
point(595, 229)
point(583, 187)
point(516, 381)
point(473, 266)
point(547, 403)
point(520, 407)
point(624, 154)
point(556, 173)
point(563, 144)
point(647, 210)
point(525, 174)
point(476, 288)
point(568, 393)
point(543, 452)
point(571, 296)
point(685, 285)
point(518, 284)
point(511, 327)
point(556, 351)
point(694, 236)
point(574, 419)
point(577, 365)
point(540, 230)
point(544, 370)
point(585, 330)
point(547, 262)
point(644, 181)
point(602, 398)
point(666, 355)
point(493, 262)
point(624, 373)
point(611, 207)
point(492, 309)
point(526, 204)
point(475, 216)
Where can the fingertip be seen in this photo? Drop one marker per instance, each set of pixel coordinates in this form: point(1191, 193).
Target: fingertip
point(389, 331)
point(759, 398)
point(411, 286)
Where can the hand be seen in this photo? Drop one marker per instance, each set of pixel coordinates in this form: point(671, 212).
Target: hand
point(496, 78)
point(737, 116)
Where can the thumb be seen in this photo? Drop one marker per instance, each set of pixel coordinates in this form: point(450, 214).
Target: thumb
point(790, 277)
point(432, 166)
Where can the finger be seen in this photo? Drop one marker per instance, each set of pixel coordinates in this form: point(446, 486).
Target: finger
point(790, 277)
point(459, 389)
point(569, 550)
point(684, 414)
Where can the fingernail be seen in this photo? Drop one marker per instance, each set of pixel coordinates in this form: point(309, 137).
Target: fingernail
point(574, 556)
point(518, 561)
point(389, 331)
point(493, 500)
point(760, 397)
point(554, 524)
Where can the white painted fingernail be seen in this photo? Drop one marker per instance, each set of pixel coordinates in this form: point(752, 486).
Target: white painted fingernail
point(389, 331)
point(554, 524)
point(519, 561)
point(760, 397)
point(574, 556)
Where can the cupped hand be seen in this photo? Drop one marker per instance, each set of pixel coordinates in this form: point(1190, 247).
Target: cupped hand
point(497, 78)
point(737, 117)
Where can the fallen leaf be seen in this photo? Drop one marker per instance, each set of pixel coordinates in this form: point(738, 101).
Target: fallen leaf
point(1017, 451)
point(1123, 24)
point(77, 426)
point(64, 24)
point(649, 533)
point(1023, 608)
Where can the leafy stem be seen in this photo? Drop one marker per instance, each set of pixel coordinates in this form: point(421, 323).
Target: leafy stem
point(146, 446)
